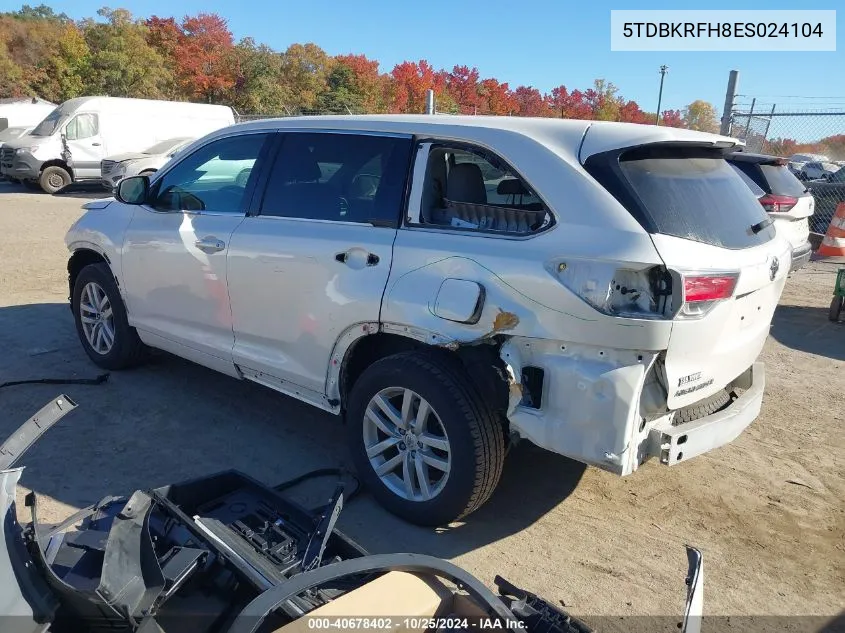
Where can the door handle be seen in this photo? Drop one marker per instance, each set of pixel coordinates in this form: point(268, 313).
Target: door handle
point(96, 144)
point(346, 257)
point(210, 245)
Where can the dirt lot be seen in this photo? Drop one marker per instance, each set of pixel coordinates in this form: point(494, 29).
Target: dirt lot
point(767, 511)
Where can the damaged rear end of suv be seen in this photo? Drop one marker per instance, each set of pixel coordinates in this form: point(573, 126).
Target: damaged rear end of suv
point(707, 304)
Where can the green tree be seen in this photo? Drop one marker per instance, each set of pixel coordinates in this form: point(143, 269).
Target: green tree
point(700, 115)
point(257, 88)
point(341, 94)
point(121, 62)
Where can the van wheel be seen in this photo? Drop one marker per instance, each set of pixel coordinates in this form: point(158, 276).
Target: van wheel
point(422, 439)
point(101, 323)
point(54, 178)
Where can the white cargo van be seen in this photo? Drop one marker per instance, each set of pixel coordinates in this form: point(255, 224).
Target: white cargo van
point(69, 144)
point(23, 111)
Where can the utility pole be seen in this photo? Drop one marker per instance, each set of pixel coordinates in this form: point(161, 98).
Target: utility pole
point(730, 96)
point(663, 70)
point(429, 101)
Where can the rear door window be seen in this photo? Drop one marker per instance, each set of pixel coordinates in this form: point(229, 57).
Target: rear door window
point(689, 193)
point(340, 177)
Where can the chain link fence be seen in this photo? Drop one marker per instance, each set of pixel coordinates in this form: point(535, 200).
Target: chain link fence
point(814, 144)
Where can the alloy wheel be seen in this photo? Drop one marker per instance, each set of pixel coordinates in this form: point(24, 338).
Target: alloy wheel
point(406, 444)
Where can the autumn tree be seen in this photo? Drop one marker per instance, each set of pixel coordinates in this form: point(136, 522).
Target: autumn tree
point(367, 82)
point(304, 75)
point(497, 98)
point(204, 57)
point(530, 102)
point(701, 115)
point(41, 54)
point(462, 85)
point(603, 100)
point(672, 118)
point(410, 81)
point(121, 63)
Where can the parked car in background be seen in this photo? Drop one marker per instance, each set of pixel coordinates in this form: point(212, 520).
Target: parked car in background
point(828, 195)
point(797, 161)
point(23, 112)
point(607, 299)
point(69, 144)
point(784, 197)
point(817, 170)
point(146, 163)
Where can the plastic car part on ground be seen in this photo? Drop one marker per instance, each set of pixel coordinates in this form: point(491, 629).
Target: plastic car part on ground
point(232, 555)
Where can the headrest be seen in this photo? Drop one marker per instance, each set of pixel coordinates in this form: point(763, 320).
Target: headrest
point(511, 187)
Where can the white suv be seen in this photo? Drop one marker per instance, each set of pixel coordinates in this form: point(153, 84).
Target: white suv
point(447, 284)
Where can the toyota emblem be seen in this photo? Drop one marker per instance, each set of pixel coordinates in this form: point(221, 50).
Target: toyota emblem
point(773, 269)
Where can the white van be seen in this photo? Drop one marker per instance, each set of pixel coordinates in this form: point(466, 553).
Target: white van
point(69, 144)
point(23, 111)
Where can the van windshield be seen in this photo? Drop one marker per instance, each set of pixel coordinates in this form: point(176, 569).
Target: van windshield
point(49, 124)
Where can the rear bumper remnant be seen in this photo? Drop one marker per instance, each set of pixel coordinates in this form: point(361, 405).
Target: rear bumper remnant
point(673, 444)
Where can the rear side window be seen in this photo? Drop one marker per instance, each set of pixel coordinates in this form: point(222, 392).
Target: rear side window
point(687, 192)
point(341, 177)
point(472, 189)
point(782, 182)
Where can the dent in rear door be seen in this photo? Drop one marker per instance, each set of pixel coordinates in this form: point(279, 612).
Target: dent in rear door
point(315, 261)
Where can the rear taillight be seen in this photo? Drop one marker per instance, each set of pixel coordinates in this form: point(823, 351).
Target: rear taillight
point(777, 204)
point(709, 287)
point(703, 292)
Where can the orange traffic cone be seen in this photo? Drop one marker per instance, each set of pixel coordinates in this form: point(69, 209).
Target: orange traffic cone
point(833, 244)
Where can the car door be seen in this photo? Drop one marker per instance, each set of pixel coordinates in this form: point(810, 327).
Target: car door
point(174, 257)
point(85, 145)
point(315, 260)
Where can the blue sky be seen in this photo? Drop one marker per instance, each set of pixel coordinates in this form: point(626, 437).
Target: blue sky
point(535, 42)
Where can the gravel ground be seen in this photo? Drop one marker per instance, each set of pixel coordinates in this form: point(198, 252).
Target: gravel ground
point(767, 511)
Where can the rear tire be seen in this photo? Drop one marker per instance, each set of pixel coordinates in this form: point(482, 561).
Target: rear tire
point(54, 178)
point(98, 307)
point(461, 437)
point(835, 309)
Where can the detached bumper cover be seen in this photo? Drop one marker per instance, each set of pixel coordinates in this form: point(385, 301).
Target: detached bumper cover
point(674, 444)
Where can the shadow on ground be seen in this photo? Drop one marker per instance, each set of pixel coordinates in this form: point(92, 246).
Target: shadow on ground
point(171, 420)
point(84, 190)
point(808, 329)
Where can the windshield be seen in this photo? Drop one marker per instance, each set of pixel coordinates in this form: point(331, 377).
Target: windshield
point(696, 197)
point(164, 147)
point(49, 124)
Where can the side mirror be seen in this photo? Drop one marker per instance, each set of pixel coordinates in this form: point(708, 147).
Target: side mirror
point(133, 190)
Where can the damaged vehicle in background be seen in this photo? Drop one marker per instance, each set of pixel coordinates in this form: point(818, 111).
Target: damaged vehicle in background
point(448, 285)
point(146, 163)
point(227, 554)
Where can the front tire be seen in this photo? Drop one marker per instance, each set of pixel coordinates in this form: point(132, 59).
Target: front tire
point(422, 439)
point(54, 178)
point(101, 324)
